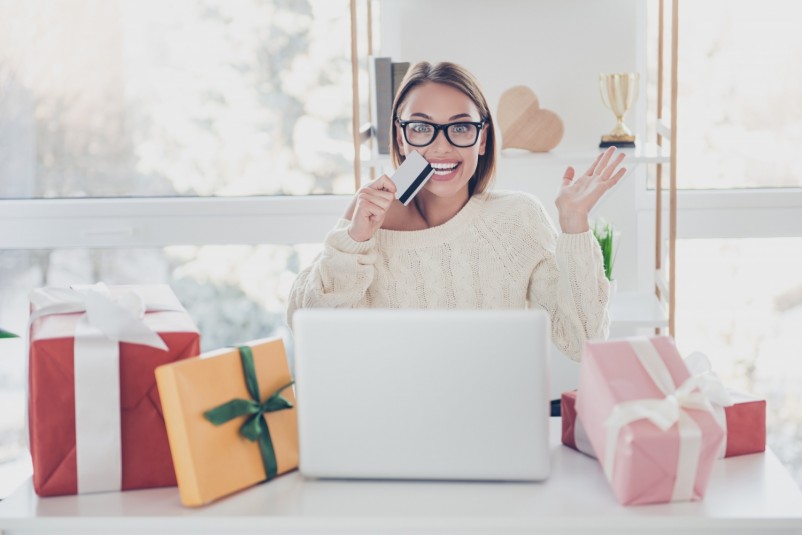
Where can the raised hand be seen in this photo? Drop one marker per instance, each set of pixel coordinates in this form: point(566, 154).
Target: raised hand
point(578, 196)
point(369, 207)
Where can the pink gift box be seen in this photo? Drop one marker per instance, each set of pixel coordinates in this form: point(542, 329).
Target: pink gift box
point(745, 420)
point(655, 435)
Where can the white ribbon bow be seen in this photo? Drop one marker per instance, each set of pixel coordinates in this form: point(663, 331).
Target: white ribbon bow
point(664, 413)
point(108, 319)
point(713, 389)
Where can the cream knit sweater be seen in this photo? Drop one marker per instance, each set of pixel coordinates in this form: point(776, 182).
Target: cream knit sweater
point(500, 251)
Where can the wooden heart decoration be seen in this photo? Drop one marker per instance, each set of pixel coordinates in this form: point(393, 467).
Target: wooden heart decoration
point(524, 125)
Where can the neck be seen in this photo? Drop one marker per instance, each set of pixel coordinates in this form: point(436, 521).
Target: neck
point(437, 210)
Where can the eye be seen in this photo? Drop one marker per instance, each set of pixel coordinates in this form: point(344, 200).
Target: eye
point(461, 128)
point(420, 128)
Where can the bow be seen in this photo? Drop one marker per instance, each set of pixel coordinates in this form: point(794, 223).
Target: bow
point(118, 315)
point(255, 427)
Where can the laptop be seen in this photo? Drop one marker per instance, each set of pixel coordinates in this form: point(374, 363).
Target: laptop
point(423, 394)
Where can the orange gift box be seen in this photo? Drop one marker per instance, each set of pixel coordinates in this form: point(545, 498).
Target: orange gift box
point(214, 460)
point(56, 384)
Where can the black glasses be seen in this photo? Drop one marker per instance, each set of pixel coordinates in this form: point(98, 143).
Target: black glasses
point(421, 133)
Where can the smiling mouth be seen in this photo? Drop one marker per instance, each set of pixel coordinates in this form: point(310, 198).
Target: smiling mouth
point(442, 169)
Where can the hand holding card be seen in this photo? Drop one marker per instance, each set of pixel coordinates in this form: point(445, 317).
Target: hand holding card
point(369, 208)
point(410, 177)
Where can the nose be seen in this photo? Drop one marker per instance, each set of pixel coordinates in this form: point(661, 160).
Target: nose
point(440, 142)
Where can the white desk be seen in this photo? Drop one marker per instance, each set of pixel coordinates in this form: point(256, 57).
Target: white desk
point(750, 494)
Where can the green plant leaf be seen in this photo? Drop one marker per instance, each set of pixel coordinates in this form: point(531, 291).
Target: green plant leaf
point(6, 334)
point(604, 235)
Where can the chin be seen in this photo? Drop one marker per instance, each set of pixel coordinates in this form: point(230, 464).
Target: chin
point(446, 189)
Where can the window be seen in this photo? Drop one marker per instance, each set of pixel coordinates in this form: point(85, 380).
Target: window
point(738, 268)
point(741, 304)
point(131, 128)
point(739, 113)
point(104, 98)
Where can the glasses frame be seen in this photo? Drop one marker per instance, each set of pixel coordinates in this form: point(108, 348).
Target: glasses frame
point(444, 127)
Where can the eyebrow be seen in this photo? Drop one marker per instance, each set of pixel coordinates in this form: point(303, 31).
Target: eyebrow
point(458, 116)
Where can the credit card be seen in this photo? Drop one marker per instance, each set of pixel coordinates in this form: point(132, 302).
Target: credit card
point(410, 177)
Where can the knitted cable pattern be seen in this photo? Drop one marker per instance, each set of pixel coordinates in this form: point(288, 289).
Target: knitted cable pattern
point(500, 251)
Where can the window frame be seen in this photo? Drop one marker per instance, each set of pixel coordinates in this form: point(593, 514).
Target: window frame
point(717, 214)
point(165, 221)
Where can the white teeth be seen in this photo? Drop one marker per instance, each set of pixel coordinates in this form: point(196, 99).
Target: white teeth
point(445, 167)
point(442, 169)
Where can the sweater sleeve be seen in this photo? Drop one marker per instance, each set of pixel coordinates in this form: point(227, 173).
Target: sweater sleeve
point(340, 275)
point(569, 283)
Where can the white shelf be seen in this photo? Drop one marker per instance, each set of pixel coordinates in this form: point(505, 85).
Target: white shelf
point(644, 153)
point(637, 310)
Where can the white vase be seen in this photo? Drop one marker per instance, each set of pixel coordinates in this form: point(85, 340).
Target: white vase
point(613, 290)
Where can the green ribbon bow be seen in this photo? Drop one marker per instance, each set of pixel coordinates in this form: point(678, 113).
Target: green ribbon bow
point(255, 426)
point(6, 334)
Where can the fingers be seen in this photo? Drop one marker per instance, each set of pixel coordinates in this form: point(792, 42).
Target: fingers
point(383, 183)
point(376, 197)
point(605, 158)
point(610, 169)
point(568, 176)
point(602, 160)
point(379, 198)
point(370, 210)
point(592, 168)
point(614, 180)
point(370, 206)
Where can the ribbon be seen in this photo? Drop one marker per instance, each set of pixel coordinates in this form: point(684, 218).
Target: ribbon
point(664, 413)
point(581, 439)
point(255, 427)
point(108, 318)
point(713, 389)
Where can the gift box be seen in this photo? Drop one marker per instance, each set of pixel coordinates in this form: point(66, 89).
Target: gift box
point(742, 416)
point(573, 433)
point(230, 418)
point(94, 414)
point(652, 428)
point(745, 425)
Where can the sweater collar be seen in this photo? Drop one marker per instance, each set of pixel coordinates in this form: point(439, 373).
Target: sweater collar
point(413, 239)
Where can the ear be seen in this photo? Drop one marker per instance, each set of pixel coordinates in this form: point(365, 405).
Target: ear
point(483, 138)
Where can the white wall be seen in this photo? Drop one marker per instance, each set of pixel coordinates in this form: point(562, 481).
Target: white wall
point(555, 47)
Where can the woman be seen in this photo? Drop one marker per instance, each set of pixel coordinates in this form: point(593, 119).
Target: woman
point(457, 244)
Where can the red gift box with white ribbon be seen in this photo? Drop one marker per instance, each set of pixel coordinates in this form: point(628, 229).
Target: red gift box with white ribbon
point(95, 418)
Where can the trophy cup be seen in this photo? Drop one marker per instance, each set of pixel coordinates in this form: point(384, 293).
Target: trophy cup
point(618, 92)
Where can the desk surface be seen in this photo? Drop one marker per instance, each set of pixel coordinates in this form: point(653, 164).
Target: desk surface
point(749, 494)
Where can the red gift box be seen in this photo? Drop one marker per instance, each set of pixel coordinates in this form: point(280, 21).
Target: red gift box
point(745, 425)
point(142, 454)
point(573, 434)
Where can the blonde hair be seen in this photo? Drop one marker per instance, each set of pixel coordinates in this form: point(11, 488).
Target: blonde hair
point(459, 78)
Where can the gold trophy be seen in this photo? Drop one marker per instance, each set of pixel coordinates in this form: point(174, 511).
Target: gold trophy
point(618, 92)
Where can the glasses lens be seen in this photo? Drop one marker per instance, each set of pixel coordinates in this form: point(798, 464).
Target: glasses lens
point(419, 134)
point(462, 134)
